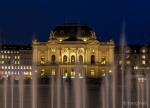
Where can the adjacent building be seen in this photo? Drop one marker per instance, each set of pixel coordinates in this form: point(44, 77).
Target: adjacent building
point(15, 60)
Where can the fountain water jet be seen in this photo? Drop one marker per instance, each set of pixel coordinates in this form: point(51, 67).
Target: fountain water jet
point(21, 90)
point(52, 91)
point(34, 89)
point(147, 89)
point(12, 91)
point(58, 89)
point(5, 91)
point(65, 93)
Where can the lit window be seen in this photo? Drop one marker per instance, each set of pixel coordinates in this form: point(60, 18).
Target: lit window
point(136, 67)
point(128, 62)
point(65, 74)
point(92, 73)
point(18, 57)
point(5, 56)
point(143, 62)
point(73, 74)
point(84, 39)
point(18, 62)
point(64, 59)
point(2, 62)
point(143, 56)
point(43, 60)
point(2, 56)
point(103, 60)
point(42, 72)
point(72, 59)
point(143, 50)
point(53, 72)
point(53, 50)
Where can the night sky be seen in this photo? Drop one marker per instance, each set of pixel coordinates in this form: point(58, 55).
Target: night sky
point(21, 19)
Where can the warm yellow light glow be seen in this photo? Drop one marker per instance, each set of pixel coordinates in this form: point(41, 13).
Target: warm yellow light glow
point(92, 73)
point(53, 50)
point(128, 62)
point(143, 62)
point(53, 72)
point(136, 67)
point(143, 50)
point(84, 40)
point(2, 62)
point(43, 60)
point(110, 71)
point(103, 60)
point(60, 40)
point(73, 74)
point(143, 56)
point(141, 79)
point(42, 72)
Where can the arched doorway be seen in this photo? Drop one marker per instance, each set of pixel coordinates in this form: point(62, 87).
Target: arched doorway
point(53, 59)
point(64, 59)
point(81, 59)
point(92, 59)
point(72, 59)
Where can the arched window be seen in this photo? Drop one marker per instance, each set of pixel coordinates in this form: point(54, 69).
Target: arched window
point(81, 59)
point(64, 59)
point(72, 59)
point(92, 59)
point(53, 59)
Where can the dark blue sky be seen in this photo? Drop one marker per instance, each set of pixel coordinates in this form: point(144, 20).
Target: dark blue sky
point(20, 19)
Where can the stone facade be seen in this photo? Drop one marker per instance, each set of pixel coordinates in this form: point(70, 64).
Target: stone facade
point(73, 51)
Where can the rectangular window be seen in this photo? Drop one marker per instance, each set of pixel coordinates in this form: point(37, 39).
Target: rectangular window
point(53, 72)
point(143, 62)
point(92, 73)
point(103, 60)
point(43, 60)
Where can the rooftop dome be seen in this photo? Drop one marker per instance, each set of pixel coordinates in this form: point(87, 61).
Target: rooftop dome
point(73, 32)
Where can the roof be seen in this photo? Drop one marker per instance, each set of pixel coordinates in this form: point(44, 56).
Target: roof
point(15, 47)
point(73, 30)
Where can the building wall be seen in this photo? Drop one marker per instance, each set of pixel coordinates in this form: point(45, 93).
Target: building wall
point(42, 57)
point(15, 60)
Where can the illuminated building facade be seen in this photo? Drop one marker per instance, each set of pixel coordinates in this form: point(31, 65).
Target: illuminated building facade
point(137, 58)
point(73, 51)
point(15, 60)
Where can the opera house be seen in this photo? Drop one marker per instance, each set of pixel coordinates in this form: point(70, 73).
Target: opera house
point(73, 51)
